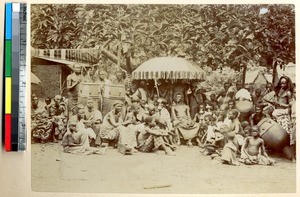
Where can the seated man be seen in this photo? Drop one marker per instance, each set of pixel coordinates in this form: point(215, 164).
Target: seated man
point(77, 142)
point(57, 108)
point(253, 150)
point(93, 119)
point(57, 111)
point(258, 115)
point(151, 138)
point(182, 121)
point(231, 104)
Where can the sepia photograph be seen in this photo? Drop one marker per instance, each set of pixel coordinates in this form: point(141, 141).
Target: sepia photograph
point(163, 98)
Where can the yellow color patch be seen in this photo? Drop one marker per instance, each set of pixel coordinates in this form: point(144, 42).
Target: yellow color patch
point(8, 99)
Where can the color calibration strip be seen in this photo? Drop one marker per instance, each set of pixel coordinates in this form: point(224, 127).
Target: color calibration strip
point(8, 87)
point(15, 61)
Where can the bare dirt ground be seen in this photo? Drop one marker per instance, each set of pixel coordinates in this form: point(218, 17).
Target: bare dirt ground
point(187, 173)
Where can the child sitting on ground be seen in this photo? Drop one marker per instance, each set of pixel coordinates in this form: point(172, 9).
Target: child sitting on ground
point(199, 115)
point(199, 118)
point(253, 150)
point(213, 137)
point(229, 152)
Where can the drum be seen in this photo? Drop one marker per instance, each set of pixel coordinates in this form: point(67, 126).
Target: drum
point(89, 90)
point(275, 137)
point(112, 93)
point(114, 90)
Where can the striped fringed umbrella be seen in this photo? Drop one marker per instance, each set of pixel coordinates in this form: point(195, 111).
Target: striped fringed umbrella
point(168, 68)
point(35, 79)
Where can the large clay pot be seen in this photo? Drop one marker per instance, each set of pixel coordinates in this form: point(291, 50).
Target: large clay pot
point(245, 108)
point(275, 137)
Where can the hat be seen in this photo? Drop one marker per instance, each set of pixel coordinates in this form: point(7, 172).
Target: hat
point(76, 67)
point(90, 99)
point(118, 103)
point(151, 107)
point(135, 106)
point(57, 97)
point(230, 134)
point(80, 106)
point(162, 100)
point(135, 98)
point(161, 121)
point(148, 119)
point(72, 122)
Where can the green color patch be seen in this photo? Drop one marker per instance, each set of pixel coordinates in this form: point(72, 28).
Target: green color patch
point(8, 56)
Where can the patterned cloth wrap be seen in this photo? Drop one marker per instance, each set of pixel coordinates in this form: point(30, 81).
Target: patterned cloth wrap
point(150, 143)
point(43, 129)
point(283, 119)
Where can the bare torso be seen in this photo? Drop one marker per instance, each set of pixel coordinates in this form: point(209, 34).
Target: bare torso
point(181, 111)
point(253, 146)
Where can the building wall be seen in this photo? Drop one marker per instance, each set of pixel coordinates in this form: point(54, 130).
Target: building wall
point(50, 75)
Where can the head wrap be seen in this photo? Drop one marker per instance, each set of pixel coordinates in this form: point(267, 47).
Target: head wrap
point(118, 103)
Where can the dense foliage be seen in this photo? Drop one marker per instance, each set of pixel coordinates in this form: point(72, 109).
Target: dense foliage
point(216, 36)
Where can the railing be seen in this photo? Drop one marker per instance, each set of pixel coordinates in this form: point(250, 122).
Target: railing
point(88, 56)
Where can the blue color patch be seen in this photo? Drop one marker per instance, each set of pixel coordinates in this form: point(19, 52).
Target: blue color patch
point(8, 21)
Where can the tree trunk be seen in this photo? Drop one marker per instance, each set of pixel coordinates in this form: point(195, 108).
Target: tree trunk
point(112, 57)
point(128, 62)
point(244, 74)
point(275, 73)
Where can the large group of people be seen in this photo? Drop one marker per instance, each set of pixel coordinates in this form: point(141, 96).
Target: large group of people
point(224, 124)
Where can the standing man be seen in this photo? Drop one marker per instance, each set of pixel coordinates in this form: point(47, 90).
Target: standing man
point(283, 94)
point(101, 78)
point(73, 81)
point(119, 77)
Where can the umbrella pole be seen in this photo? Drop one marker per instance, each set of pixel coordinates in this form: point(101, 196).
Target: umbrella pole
point(156, 87)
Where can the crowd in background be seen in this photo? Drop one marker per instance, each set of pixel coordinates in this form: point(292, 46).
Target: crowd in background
point(225, 124)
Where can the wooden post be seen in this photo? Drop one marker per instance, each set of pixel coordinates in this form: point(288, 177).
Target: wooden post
point(244, 73)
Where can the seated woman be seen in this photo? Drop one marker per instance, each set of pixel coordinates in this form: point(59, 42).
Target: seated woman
point(77, 142)
point(182, 121)
point(41, 127)
point(79, 118)
point(229, 152)
point(130, 128)
point(112, 120)
point(151, 138)
point(235, 126)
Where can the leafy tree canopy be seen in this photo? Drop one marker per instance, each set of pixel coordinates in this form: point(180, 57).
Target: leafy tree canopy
point(209, 35)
